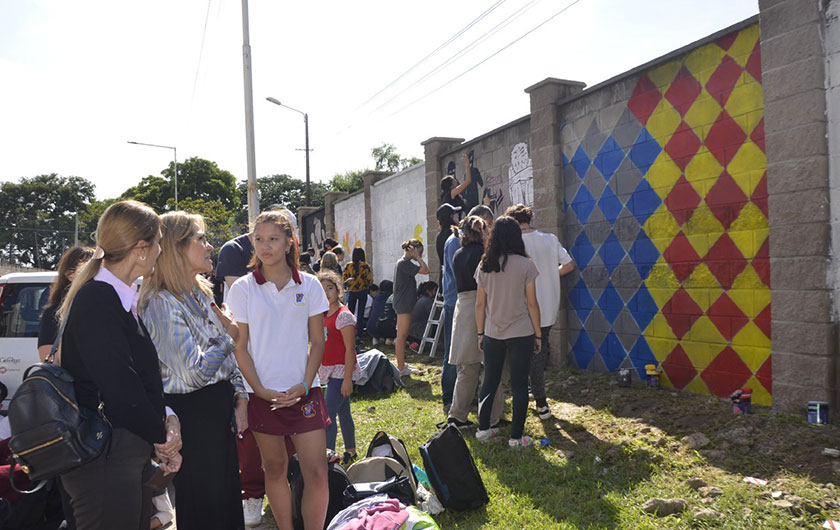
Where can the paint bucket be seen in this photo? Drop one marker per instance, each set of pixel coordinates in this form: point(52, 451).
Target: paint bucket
point(624, 378)
point(818, 412)
point(742, 401)
point(652, 376)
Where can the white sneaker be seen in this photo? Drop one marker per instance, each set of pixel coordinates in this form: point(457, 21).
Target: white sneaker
point(544, 413)
point(252, 510)
point(375, 341)
point(485, 436)
point(408, 370)
point(521, 443)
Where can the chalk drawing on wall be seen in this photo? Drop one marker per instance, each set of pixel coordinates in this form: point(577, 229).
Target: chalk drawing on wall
point(350, 242)
point(492, 196)
point(418, 233)
point(521, 176)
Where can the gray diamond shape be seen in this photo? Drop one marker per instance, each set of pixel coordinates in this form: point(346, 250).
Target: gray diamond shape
point(596, 277)
point(627, 130)
point(597, 364)
point(594, 182)
point(626, 279)
point(574, 321)
point(593, 140)
point(626, 229)
point(626, 329)
point(596, 323)
point(626, 179)
point(598, 228)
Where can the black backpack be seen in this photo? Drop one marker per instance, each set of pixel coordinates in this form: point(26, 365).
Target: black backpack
point(382, 380)
point(338, 482)
point(452, 472)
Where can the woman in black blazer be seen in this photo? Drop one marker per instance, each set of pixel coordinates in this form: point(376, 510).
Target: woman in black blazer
point(108, 351)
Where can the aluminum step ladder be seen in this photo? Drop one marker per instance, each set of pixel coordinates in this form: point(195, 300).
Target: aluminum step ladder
point(430, 335)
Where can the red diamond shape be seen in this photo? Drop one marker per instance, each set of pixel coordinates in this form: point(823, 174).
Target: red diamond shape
point(644, 99)
point(753, 65)
point(726, 373)
point(683, 91)
point(682, 257)
point(762, 320)
point(679, 368)
point(726, 199)
point(759, 195)
point(725, 261)
point(765, 374)
point(757, 136)
point(681, 312)
point(683, 145)
point(725, 138)
point(727, 41)
point(724, 79)
point(761, 262)
point(727, 316)
point(682, 200)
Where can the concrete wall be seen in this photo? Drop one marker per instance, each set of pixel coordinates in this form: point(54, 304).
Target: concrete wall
point(350, 222)
point(398, 213)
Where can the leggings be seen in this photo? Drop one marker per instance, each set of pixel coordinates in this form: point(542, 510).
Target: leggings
point(340, 405)
point(538, 363)
point(518, 350)
point(356, 301)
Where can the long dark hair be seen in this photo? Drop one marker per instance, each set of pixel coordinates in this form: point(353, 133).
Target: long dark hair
point(358, 255)
point(70, 261)
point(505, 239)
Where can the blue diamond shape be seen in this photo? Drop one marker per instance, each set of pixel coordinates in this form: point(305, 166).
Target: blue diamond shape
point(643, 202)
point(644, 254)
point(611, 252)
point(609, 158)
point(640, 355)
point(644, 151)
point(610, 205)
point(583, 350)
point(582, 251)
point(581, 162)
point(612, 352)
point(583, 204)
point(642, 307)
point(610, 303)
point(581, 300)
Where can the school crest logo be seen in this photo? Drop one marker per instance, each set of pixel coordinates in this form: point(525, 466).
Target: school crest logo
point(308, 410)
point(299, 298)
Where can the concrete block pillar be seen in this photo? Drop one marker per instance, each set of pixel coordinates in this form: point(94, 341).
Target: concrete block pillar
point(330, 198)
point(799, 176)
point(546, 159)
point(302, 212)
point(434, 148)
point(370, 177)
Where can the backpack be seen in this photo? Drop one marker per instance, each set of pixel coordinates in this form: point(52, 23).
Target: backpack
point(381, 469)
point(452, 472)
point(338, 482)
point(383, 444)
point(382, 380)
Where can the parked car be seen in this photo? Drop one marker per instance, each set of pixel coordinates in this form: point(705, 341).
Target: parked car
point(23, 296)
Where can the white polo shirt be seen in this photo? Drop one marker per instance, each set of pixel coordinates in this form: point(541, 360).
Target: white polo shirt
point(278, 332)
point(547, 253)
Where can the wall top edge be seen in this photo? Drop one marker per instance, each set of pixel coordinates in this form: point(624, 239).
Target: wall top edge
point(350, 196)
point(487, 135)
point(554, 81)
point(396, 175)
point(441, 139)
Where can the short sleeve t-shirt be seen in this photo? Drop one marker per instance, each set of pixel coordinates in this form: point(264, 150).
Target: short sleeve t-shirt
point(234, 257)
point(464, 263)
point(547, 253)
point(506, 312)
point(278, 331)
point(405, 285)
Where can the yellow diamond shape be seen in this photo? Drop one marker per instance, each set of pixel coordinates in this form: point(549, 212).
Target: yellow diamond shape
point(751, 336)
point(663, 75)
point(703, 114)
point(697, 386)
point(705, 332)
point(744, 102)
point(703, 229)
point(749, 241)
point(760, 395)
point(744, 44)
point(751, 218)
point(663, 174)
point(661, 277)
point(703, 61)
point(749, 159)
point(663, 121)
point(661, 348)
point(745, 300)
point(661, 228)
point(701, 279)
point(703, 171)
point(762, 300)
point(748, 279)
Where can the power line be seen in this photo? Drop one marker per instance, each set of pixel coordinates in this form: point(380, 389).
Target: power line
point(201, 51)
point(448, 41)
point(473, 67)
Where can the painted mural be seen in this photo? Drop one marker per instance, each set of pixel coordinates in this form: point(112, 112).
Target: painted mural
point(521, 176)
point(314, 231)
point(667, 211)
point(350, 222)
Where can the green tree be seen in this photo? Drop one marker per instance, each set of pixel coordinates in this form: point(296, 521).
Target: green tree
point(349, 181)
point(218, 220)
point(280, 189)
point(197, 179)
point(152, 190)
point(388, 159)
point(38, 216)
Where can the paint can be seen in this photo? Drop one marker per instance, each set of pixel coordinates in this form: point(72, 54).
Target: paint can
point(742, 401)
point(545, 442)
point(818, 412)
point(652, 376)
point(624, 378)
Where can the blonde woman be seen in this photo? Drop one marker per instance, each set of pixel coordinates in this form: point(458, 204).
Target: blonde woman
point(195, 341)
point(107, 349)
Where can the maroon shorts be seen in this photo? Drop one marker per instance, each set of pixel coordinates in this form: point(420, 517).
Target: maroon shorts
point(308, 414)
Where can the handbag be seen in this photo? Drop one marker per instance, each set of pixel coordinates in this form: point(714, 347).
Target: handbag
point(51, 432)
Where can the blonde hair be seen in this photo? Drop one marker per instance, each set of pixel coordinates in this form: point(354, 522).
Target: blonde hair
point(120, 228)
point(329, 261)
point(179, 229)
point(282, 221)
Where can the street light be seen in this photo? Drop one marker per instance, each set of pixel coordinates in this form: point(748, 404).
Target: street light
point(175, 156)
point(306, 130)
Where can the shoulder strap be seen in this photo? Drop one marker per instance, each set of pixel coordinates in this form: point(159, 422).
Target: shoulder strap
point(57, 343)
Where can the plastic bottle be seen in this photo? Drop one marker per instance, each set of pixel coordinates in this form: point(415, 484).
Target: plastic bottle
point(422, 478)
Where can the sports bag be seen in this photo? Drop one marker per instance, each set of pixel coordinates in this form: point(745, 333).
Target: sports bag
point(338, 482)
point(452, 472)
point(380, 469)
point(51, 433)
point(383, 444)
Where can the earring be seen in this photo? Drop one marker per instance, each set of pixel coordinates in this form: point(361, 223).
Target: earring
point(142, 258)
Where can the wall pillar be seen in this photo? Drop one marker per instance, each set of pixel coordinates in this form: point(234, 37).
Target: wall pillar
point(433, 149)
point(330, 198)
point(370, 178)
point(545, 152)
point(302, 212)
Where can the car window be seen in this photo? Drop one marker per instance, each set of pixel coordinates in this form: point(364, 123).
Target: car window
point(20, 308)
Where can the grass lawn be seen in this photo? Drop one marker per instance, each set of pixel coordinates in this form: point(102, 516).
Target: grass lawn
point(614, 448)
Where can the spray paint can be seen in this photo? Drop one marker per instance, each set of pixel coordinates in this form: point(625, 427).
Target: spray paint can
point(624, 378)
point(818, 412)
point(742, 401)
point(652, 376)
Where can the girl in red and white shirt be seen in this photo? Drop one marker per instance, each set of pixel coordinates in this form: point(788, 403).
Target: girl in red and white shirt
point(339, 365)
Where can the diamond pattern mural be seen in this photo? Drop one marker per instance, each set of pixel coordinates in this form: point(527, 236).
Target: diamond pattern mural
point(670, 224)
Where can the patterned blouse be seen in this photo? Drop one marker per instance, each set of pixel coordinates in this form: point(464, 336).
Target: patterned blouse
point(360, 281)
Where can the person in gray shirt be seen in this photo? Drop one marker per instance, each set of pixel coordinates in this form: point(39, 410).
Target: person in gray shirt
point(405, 296)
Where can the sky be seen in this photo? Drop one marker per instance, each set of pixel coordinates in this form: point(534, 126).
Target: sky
point(80, 79)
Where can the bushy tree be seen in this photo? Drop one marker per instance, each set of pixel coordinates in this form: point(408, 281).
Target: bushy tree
point(280, 189)
point(197, 179)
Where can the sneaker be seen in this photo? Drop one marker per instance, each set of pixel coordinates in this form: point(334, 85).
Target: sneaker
point(544, 412)
point(485, 436)
point(408, 370)
point(252, 510)
point(389, 342)
point(348, 458)
point(375, 341)
point(520, 443)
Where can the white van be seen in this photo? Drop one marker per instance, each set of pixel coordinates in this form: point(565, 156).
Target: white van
point(23, 296)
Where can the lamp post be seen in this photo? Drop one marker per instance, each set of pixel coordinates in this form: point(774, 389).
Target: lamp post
point(306, 132)
point(175, 156)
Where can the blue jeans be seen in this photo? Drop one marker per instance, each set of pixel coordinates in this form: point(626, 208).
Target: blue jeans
point(339, 405)
point(450, 372)
point(356, 301)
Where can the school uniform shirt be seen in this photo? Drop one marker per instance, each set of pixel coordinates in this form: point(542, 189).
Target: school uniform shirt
point(506, 312)
point(278, 333)
point(547, 253)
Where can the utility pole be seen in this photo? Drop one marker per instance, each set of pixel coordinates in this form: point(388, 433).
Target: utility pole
point(253, 192)
point(76, 231)
point(308, 188)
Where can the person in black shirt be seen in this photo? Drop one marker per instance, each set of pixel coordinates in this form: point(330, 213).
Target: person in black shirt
point(70, 262)
point(451, 189)
point(446, 216)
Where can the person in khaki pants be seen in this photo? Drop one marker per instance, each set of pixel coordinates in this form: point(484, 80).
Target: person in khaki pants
point(464, 352)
